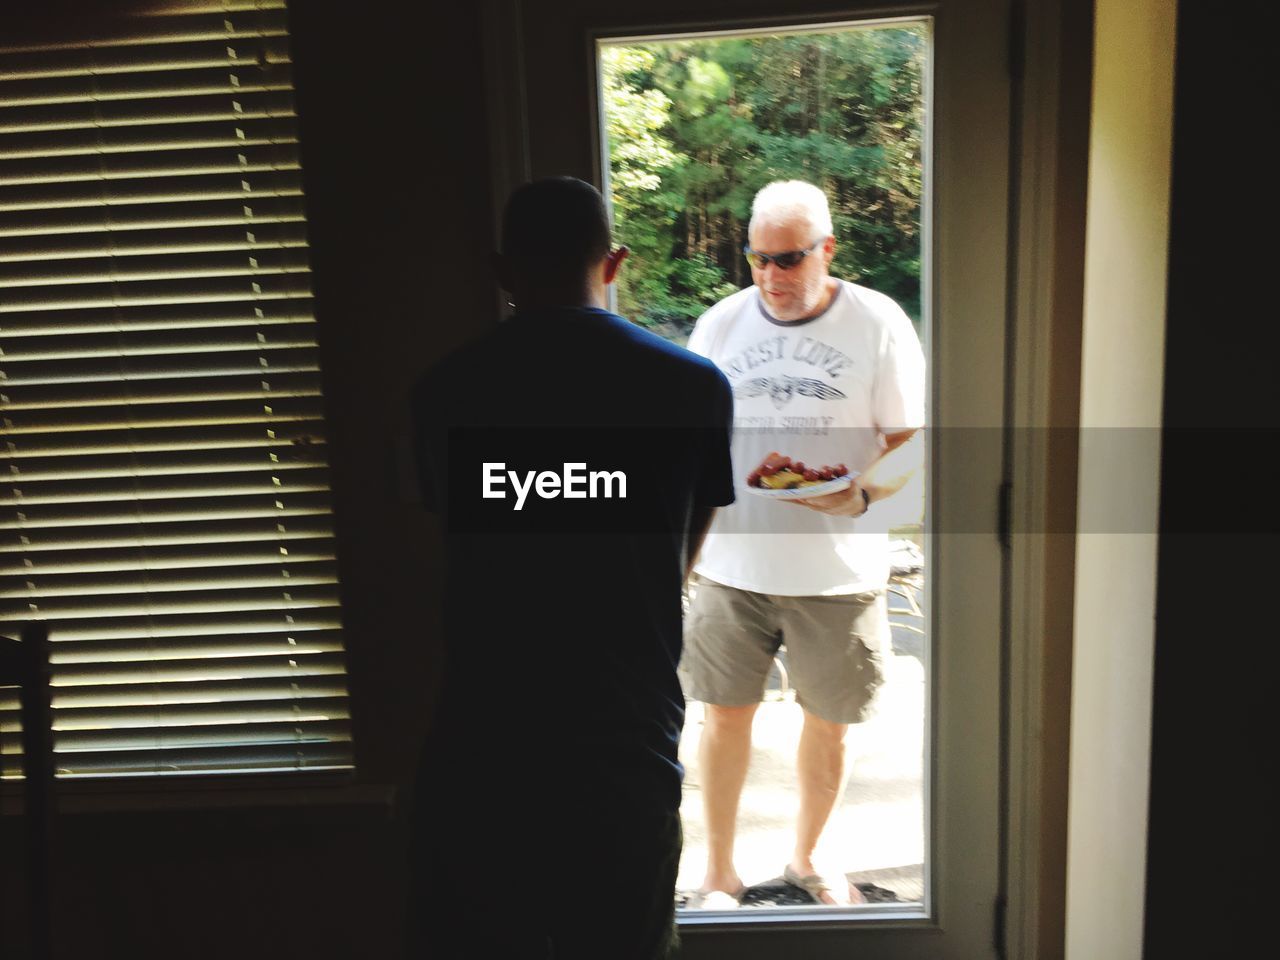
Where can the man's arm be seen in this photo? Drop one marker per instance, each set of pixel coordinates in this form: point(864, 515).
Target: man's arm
point(902, 457)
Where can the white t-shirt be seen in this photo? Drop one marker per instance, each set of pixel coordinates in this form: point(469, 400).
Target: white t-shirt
point(821, 390)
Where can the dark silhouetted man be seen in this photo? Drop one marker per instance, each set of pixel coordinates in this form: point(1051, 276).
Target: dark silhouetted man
point(576, 460)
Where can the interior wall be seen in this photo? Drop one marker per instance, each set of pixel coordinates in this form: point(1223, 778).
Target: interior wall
point(1120, 396)
point(395, 160)
point(1209, 865)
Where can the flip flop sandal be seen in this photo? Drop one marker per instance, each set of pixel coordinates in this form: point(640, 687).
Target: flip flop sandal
point(813, 884)
point(710, 900)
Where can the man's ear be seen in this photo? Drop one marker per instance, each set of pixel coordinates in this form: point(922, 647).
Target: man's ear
point(829, 249)
point(612, 261)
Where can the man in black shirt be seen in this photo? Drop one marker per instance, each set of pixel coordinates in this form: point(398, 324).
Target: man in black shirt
point(576, 460)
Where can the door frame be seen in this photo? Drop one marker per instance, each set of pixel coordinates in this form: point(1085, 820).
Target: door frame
point(974, 130)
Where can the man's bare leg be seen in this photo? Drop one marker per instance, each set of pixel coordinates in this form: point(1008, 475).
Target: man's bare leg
point(820, 763)
point(724, 751)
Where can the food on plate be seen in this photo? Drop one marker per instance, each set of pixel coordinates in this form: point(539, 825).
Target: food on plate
point(779, 472)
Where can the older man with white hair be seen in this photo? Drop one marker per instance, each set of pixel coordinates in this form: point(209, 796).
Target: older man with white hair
point(826, 372)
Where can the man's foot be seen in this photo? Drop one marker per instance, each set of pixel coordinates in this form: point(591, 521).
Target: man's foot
point(725, 881)
point(804, 875)
point(719, 891)
point(714, 900)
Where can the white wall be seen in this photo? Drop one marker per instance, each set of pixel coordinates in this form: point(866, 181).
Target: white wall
point(1122, 379)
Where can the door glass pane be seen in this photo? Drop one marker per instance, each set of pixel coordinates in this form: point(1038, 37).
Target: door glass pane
point(694, 126)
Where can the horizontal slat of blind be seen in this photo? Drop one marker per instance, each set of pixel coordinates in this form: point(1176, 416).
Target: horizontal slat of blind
point(256, 711)
point(302, 520)
point(279, 598)
point(214, 646)
point(199, 670)
point(161, 403)
point(30, 477)
point(153, 343)
point(87, 295)
point(244, 733)
point(208, 692)
point(28, 522)
point(73, 60)
point(175, 265)
point(103, 494)
point(99, 168)
point(202, 725)
point(191, 715)
point(141, 440)
point(165, 501)
point(170, 8)
point(144, 25)
point(101, 115)
point(78, 467)
point(247, 132)
point(22, 355)
point(302, 755)
point(156, 85)
point(263, 358)
point(177, 316)
point(34, 253)
point(234, 185)
point(155, 216)
point(225, 623)
point(207, 557)
point(154, 27)
point(43, 587)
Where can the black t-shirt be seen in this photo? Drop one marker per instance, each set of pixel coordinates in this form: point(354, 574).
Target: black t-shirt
point(563, 611)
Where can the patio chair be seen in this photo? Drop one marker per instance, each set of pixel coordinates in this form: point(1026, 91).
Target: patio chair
point(25, 663)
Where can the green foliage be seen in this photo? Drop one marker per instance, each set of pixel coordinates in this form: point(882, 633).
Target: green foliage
point(697, 127)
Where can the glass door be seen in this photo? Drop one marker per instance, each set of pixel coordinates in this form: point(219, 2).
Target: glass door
point(680, 114)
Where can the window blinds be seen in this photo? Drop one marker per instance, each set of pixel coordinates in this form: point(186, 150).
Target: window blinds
point(164, 491)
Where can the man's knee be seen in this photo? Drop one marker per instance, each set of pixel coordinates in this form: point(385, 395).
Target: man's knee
point(729, 718)
point(827, 730)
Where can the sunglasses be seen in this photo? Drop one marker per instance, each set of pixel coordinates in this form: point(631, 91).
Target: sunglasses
point(784, 261)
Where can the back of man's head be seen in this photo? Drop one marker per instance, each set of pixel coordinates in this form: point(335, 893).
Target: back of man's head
point(558, 226)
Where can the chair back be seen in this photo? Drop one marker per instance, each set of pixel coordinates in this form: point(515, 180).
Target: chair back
point(24, 662)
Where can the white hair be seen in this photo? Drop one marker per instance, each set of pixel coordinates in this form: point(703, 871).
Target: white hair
point(785, 201)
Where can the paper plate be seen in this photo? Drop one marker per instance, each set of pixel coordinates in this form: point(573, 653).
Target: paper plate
point(804, 493)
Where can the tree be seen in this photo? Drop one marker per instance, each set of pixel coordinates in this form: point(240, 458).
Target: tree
point(701, 125)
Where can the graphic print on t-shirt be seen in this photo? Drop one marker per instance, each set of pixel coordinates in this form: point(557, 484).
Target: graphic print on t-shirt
point(782, 388)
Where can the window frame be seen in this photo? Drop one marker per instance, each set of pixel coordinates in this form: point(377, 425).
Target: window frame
point(269, 786)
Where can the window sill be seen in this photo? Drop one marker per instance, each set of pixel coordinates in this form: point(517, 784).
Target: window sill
point(315, 791)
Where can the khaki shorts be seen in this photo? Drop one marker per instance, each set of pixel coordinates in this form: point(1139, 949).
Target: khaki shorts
point(835, 648)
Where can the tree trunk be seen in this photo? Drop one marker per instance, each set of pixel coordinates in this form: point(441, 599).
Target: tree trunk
point(821, 80)
point(702, 227)
point(688, 227)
